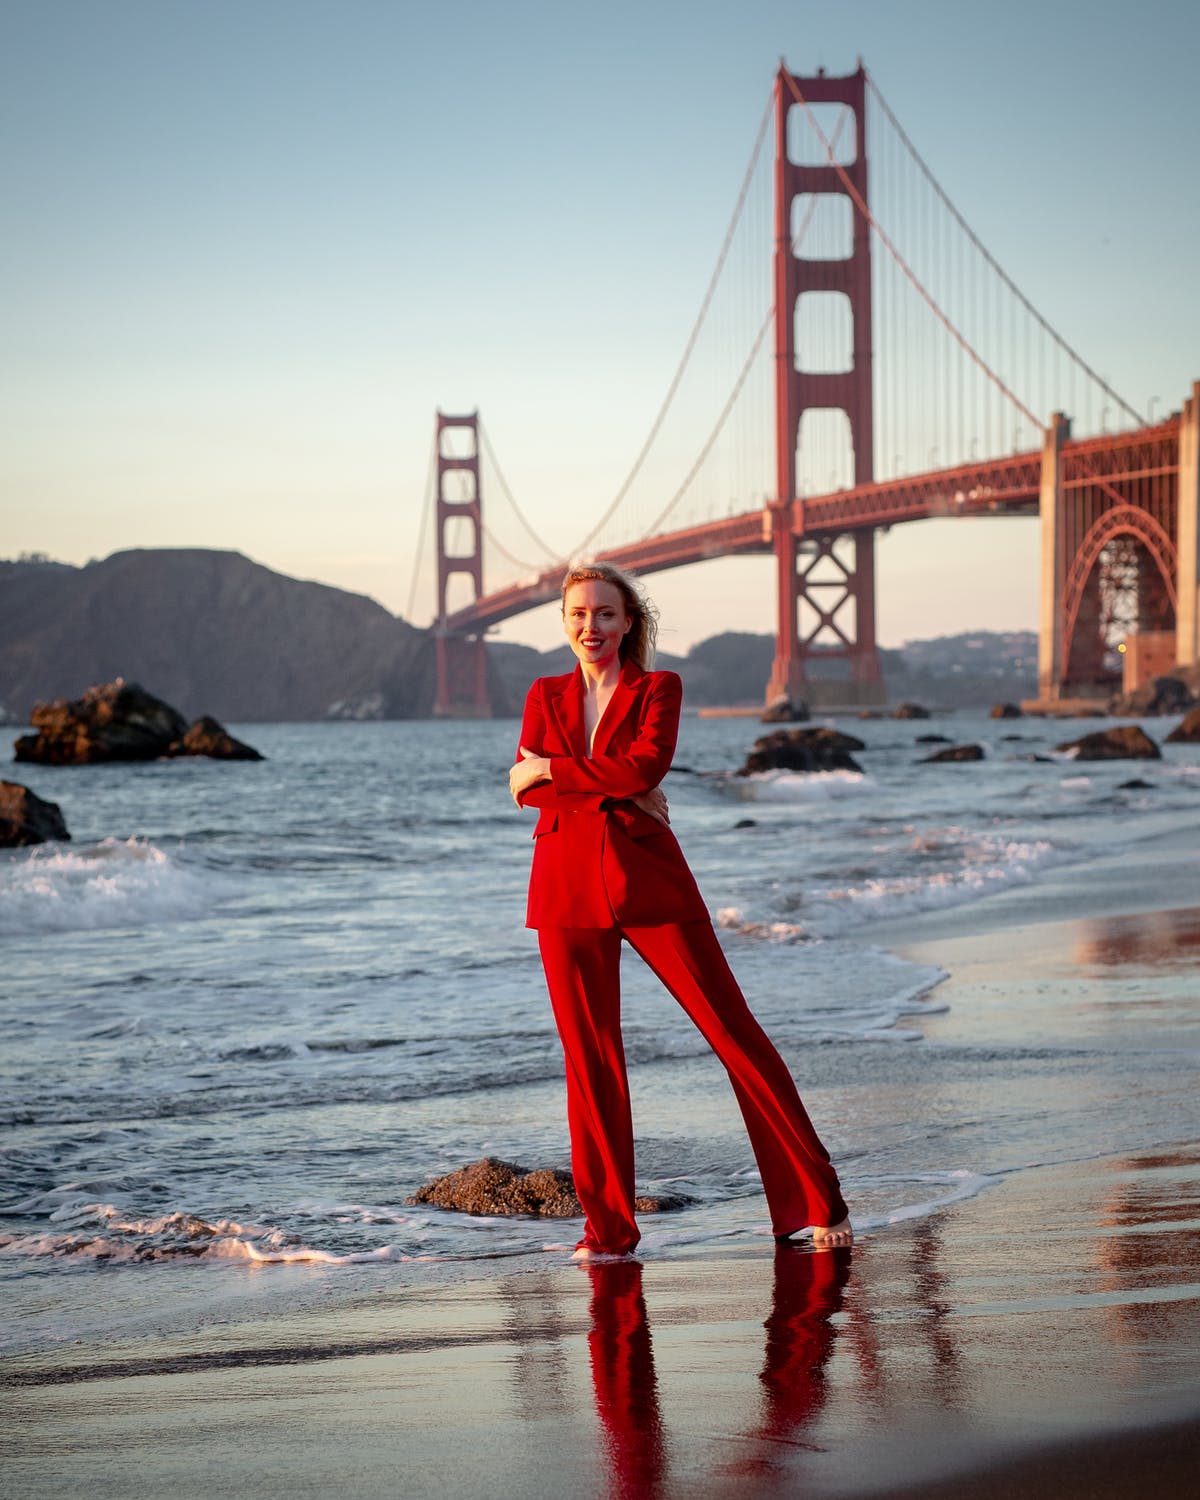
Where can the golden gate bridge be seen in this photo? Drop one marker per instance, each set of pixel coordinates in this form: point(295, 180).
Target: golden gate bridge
point(885, 328)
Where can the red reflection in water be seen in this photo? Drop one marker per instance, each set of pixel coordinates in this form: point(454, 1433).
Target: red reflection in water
point(624, 1380)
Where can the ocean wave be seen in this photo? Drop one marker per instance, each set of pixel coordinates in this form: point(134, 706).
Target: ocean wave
point(981, 866)
point(114, 883)
point(802, 786)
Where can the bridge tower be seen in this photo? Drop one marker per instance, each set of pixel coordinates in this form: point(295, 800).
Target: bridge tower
point(1120, 521)
point(461, 691)
point(825, 584)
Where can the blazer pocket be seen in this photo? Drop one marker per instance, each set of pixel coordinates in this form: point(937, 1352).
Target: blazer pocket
point(547, 823)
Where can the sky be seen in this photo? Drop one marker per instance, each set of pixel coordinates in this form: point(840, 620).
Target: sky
point(249, 249)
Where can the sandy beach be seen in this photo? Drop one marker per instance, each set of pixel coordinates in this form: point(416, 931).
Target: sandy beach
point(1036, 1338)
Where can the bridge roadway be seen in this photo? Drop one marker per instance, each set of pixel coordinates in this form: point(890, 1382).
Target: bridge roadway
point(1002, 486)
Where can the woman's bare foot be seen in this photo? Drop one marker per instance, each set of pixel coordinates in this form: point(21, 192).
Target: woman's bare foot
point(836, 1235)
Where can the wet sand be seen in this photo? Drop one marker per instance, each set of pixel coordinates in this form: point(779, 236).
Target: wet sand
point(1039, 1338)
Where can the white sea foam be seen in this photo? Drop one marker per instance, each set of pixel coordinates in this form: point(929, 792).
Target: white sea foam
point(803, 786)
point(986, 864)
point(115, 883)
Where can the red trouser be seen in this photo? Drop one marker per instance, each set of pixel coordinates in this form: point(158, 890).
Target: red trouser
point(583, 976)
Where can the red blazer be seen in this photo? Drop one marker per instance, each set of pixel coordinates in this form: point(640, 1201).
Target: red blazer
point(599, 861)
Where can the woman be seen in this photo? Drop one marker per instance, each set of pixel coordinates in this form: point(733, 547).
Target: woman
point(595, 745)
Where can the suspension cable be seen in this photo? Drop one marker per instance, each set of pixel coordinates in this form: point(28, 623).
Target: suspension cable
point(426, 508)
point(991, 260)
point(693, 336)
point(868, 216)
point(743, 373)
point(491, 456)
point(517, 562)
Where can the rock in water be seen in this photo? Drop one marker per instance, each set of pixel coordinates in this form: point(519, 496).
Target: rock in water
point(1161, 695)
point(1187, 731)
point(26, 819)
point(803, 750)
point(491, 1186)
point(1006, 711)
point(120, 721)
point(783, 710)
point(955, 752)
point(1129, 742)
point(207, 737)
point(910, 711)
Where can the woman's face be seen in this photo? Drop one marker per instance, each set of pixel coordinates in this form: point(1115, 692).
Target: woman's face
point(595, 621)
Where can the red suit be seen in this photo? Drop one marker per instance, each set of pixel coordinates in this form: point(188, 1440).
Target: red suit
point(604, 870)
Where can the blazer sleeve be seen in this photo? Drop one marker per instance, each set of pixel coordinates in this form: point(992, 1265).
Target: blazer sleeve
point(546, 794)
point(643, 765)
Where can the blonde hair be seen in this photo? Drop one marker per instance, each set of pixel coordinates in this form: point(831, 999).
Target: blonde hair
point(642, 636)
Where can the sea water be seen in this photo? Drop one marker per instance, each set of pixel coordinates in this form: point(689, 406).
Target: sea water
point(252, 1007)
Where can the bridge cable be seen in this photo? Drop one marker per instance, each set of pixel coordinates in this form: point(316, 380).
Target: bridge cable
point(744, 372)
point(869, 217)
point(491, 456)
point(991, 260)
point(517, 562)
point(694, 335)
point(426, 509)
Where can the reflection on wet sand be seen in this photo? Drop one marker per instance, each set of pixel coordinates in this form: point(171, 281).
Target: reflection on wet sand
point(624, 1380)
point(808, 1291)
point(1147, 939)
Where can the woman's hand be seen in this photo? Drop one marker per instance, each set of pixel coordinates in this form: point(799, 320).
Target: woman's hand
point(529, 770)
point(654, 802)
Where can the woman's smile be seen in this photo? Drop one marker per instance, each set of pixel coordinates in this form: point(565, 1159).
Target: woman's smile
point(595, 620)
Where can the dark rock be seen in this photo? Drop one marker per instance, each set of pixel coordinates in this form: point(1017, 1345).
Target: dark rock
point(26, 819)
point(746, 823)
point(1006, 711)
point(803, 750)
point(1129, 742)
point(956, 752)
point(933, 739)
point(1045, 760)
point(113, 721)
point(1008, 738)
point(491, 1186)
point(783, 710)
point(1187, 731)
point(1136, 785)
point(871, 713)
point(120, 721)
point(207, 737)
point(1171, 694)
point(911, 711)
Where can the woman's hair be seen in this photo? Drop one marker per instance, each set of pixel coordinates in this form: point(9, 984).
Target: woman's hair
point(642, 636)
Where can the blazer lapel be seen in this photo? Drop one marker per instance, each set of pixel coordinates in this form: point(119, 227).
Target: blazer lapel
point(568, 706)
point(624, 698)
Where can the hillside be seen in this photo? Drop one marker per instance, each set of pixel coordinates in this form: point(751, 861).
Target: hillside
point(211, 632)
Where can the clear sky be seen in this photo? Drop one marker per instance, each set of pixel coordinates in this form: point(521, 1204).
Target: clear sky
point(249, 247)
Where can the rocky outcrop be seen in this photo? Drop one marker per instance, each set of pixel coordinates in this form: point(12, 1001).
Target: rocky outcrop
point(933, 739)
point(120, 721)
point(1006, 711)
point(215, 633)
point(1171, 694)
point(910, 711)
point(25, 818)
point(1129, 742)
point(803, 750)
point(207, 737)
point(784, 710)
point(955, 752)
point(490, 1186)
point(1187, 731)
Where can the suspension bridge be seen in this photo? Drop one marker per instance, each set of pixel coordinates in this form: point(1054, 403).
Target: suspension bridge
point(888, 370)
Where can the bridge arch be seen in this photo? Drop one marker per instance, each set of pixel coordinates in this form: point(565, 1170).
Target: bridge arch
point(1153, 542)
